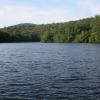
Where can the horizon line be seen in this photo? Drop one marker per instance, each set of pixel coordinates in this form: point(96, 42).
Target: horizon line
point(49, 23)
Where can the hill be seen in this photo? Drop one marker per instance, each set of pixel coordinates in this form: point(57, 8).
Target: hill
point(81, 31)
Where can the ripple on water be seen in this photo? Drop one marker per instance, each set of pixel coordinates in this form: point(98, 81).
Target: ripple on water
point(37, 71)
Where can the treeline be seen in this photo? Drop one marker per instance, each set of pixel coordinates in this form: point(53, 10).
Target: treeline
point(80, 31)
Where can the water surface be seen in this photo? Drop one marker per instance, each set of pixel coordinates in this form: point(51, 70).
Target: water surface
point(49, 71)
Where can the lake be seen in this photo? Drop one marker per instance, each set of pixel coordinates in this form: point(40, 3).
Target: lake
point(49, 71)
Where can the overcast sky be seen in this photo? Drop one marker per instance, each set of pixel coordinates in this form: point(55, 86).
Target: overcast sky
point(46, 11)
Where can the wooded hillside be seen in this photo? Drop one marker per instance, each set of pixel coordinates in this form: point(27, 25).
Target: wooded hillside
point(81, 31)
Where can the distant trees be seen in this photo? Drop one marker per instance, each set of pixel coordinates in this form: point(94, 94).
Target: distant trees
point(4, 37)
point(83, 37)
point(83, 31)
point(95, 24)
point(45, 37)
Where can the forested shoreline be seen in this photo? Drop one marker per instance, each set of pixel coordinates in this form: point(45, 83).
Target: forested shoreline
point(80, 31)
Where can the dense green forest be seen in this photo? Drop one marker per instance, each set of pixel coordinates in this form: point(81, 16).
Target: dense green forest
point(80, 31)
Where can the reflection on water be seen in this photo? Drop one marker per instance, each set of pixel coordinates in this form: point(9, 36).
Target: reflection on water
point(37, 71)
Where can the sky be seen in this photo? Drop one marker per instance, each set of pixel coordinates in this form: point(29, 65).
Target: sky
point(46, 11)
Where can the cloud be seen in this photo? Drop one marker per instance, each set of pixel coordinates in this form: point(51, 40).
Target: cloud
point(90, 5)
point(26, 13)
point(45, 11)
point(10, 12)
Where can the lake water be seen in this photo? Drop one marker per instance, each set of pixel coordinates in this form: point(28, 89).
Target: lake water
point(49, 71)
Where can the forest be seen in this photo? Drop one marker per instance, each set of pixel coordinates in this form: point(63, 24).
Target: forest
point(80, 31)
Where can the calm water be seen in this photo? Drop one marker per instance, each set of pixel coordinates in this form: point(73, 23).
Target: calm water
point(37, 71)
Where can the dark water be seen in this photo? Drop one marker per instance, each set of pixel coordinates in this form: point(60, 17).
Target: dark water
point(36, 71)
